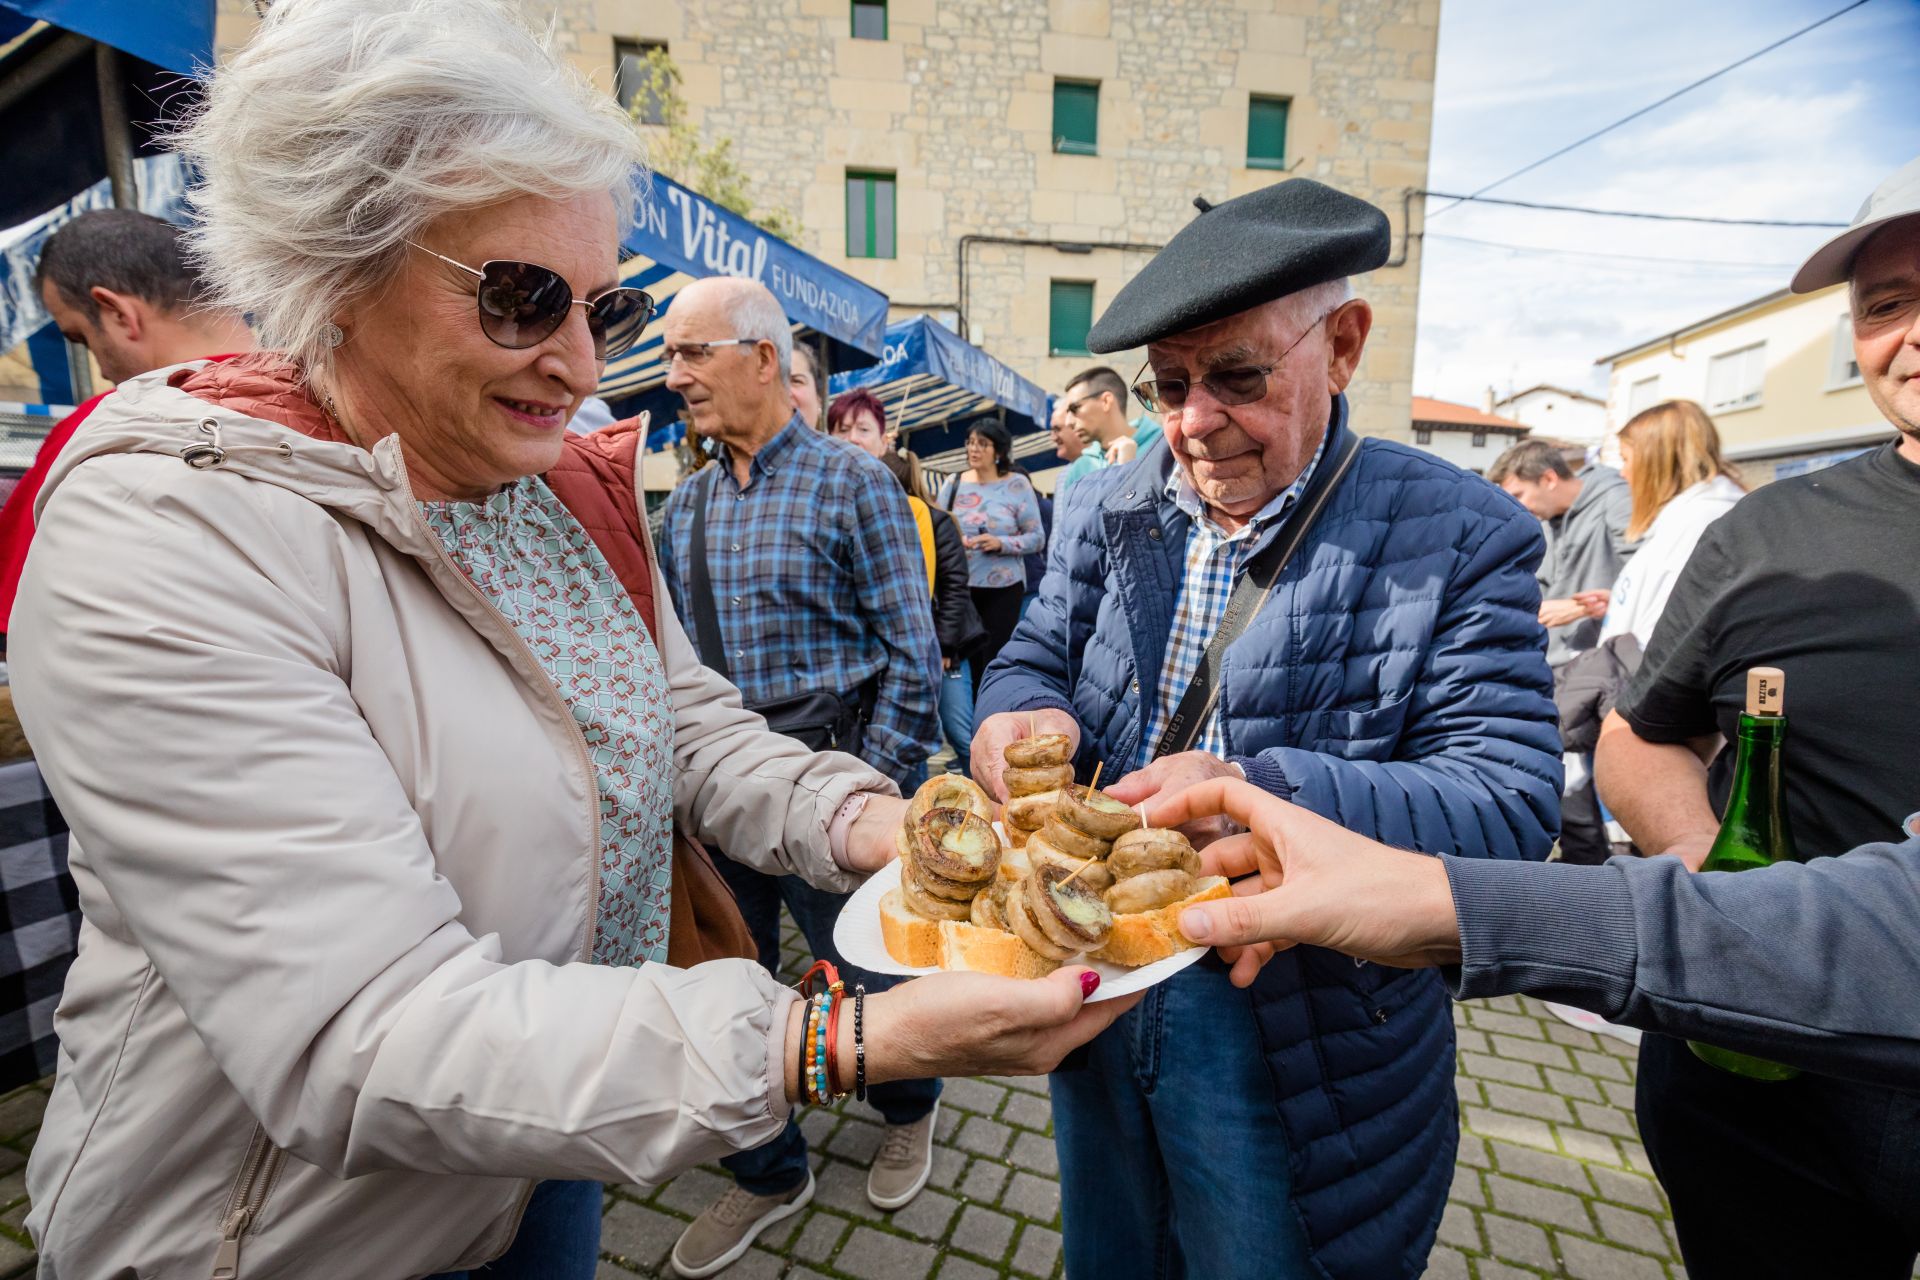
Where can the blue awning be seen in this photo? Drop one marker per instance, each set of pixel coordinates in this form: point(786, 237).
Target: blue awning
point(680, 236)
point(934, 383)
point(51, 144)
point(173, 34)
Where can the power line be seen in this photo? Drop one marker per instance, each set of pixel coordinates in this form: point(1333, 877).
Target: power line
point(1625, 213)
point(1621, 257)
point(1627, 119)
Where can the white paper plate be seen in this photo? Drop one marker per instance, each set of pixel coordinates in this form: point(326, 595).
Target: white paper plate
point(857, 936)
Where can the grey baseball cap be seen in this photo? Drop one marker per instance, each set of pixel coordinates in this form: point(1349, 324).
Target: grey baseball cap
point(1898, 197)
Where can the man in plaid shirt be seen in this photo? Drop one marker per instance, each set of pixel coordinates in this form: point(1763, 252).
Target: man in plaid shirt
point(818, 585)
point(817, 575)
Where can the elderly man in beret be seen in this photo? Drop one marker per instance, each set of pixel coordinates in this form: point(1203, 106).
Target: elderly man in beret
point(1350, 625)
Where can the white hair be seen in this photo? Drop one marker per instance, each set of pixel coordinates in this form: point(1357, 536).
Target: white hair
point(754, 313)
point(346, 126)
point(1313, 303)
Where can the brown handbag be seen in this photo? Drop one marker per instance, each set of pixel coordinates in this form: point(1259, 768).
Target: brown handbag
point(706, 923)
point(595, 479)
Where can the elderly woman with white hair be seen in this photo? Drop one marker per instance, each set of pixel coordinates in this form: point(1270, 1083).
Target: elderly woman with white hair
point(353, 673)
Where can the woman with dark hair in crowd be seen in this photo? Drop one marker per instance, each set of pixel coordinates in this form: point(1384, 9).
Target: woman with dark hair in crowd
point(999, 517)
point(859, 418)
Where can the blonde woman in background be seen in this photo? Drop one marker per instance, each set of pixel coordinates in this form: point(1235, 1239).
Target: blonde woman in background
point(1671, 457)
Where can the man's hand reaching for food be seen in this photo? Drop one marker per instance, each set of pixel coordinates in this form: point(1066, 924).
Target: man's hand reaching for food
point(1302, 879)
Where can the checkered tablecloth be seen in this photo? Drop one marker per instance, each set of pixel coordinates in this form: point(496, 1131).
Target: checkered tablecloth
point(39, 923)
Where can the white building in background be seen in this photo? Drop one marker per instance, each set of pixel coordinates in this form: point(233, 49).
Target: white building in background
point(1563, 414)
point(1777, 375)
point(1463, 435)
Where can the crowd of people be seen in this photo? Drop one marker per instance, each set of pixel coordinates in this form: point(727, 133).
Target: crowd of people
point(434, 815)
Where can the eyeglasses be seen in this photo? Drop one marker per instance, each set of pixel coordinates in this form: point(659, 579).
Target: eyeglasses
point(1073, 406)
point(700, 352)
point(1242, 384)
point(522, 304)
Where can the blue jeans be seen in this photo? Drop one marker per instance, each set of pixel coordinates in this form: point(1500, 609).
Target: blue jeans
point(781, 1165)
point(559, 1238)
point(1173, 1161)
point(956, 712)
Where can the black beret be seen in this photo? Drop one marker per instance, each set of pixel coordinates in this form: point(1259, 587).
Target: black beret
point(1252, 249)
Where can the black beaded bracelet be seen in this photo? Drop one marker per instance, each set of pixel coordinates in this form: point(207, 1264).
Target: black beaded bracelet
point(859, 1044)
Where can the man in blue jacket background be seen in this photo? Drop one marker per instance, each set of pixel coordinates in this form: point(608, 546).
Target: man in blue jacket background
point(1393, 680)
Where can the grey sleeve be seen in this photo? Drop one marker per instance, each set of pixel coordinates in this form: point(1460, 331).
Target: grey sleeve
point(1812, 964)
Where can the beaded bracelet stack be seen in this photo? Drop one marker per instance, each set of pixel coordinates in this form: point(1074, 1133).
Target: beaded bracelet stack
point(820, 1046)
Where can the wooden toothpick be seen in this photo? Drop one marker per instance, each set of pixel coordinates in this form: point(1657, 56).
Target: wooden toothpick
point(1032, 731)
point(1077, 870)
point(1095, 784)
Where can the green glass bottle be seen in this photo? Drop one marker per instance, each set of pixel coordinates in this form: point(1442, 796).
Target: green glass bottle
point(1754, 830)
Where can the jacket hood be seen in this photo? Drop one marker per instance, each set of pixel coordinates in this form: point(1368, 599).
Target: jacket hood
point(1595, 483)
point(248, 417)
point(253, 417)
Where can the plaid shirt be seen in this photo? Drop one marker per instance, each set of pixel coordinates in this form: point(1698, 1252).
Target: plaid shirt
point(1213, 562)
point(818, 584)
point(39, 923)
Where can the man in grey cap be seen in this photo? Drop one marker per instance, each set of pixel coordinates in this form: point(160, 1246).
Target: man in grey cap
point(1818, 575)
point(1350, 625)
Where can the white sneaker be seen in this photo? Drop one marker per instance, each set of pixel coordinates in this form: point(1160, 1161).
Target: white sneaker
point(904, 1163)
point(715, 1240)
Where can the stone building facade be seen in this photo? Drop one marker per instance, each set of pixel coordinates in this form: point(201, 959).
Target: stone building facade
point(957, 104)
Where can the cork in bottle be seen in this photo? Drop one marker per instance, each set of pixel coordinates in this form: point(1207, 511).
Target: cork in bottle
point(1766, 691)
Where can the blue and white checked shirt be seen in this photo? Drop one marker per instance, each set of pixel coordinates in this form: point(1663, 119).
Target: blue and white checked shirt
point(1213, 562)
point(818, 583)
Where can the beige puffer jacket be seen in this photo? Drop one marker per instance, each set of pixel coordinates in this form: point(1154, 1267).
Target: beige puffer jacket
point(336, 843)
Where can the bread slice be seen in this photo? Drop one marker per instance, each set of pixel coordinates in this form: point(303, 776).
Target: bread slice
point(911, 938)
point(1142, 937)
point(968, 946)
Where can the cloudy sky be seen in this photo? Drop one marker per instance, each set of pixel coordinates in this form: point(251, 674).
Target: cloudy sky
point(1804, 132)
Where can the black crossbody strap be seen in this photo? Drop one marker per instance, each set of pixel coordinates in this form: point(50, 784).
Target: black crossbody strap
point(1249, 594)
point(706, 618)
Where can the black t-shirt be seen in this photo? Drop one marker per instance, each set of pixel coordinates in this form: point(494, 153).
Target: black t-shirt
point(1819, 576)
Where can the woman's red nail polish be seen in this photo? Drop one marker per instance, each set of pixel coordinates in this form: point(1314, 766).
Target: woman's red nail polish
point(1089, 983)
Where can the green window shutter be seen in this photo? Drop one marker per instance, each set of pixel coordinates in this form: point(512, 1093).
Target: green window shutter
point(869, 19)
point(859, 221)
point(870, 215)
point(1267, 133)
point(631, 80)
point(1076, 118)
point(1069, 316)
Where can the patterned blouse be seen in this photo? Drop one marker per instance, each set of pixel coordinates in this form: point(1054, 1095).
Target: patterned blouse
point(540, 568)
point(1008, 509)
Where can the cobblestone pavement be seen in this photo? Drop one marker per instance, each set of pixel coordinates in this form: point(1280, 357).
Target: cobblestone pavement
point(1551, 1180)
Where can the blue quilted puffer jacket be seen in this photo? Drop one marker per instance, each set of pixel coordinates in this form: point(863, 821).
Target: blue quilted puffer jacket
point(1396, 682)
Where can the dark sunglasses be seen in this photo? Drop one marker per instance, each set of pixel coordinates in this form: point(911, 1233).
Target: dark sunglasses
point(1242, 384)
point(522, 304)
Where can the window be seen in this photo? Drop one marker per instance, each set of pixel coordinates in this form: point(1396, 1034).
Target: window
point(1423, 435)
point(1069, 316)
point(1479, 439)
point(1076, 118)
point(1643, 394)
point(869, 215)
point(631, 81)
point(1842, 369)
point(1734, 379)
point(869, 19)
point(1267, 133)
